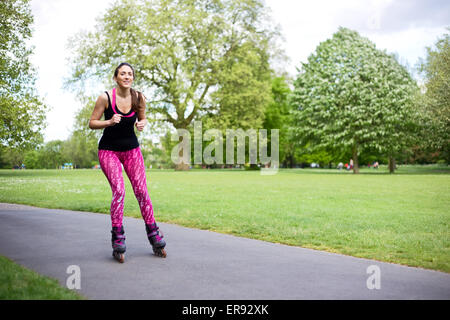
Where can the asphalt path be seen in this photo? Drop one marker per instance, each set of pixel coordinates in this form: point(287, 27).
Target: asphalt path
point(75, 248)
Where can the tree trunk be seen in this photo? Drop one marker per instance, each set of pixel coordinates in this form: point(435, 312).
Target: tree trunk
point(181, 166)
point(291, 161)
point(391, 164)
point(355, 159)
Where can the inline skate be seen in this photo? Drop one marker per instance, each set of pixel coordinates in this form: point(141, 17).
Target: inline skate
point(155, 237)
point(118, 243)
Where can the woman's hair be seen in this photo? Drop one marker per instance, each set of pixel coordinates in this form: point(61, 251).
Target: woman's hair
point(135, 101)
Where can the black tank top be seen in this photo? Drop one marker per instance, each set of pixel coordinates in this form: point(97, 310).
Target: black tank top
point(121, 136)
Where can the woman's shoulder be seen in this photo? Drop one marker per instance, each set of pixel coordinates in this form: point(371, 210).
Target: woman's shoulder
point(104, 98)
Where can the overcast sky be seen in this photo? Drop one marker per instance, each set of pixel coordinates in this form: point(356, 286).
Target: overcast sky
point(404, 27)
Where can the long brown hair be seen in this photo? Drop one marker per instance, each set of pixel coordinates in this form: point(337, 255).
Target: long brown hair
point(135, 101)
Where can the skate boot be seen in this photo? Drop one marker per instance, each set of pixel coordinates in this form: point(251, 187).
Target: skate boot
point(118, 243)
point(155, 237)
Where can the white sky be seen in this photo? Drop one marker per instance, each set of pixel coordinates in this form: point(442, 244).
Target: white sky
point(405, 27)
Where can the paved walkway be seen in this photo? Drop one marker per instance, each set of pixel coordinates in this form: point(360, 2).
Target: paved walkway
point(201, 265)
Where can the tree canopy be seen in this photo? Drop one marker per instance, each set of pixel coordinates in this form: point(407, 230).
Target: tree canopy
point(192, 57)
point(352, 96)
point(23, 113)
point(436, 69)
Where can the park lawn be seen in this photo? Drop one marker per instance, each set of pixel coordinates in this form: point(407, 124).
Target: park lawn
point(401, 218)
point(20, 283)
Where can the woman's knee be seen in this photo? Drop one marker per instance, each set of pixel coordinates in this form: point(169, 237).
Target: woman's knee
point(119, 193)
point(141, 193)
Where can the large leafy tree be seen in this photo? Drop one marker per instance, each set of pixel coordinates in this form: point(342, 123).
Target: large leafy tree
point(22, 112)
point(191, 57)
point(277, 116)
point(352, 96)
point(436, 100)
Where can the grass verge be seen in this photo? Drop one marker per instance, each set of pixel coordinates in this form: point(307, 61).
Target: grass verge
point(20, 283)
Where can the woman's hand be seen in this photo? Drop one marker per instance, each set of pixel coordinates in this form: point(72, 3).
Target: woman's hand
point(115, 119)
point(140, 125)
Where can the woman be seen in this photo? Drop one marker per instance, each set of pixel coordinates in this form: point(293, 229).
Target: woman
point(124, 108)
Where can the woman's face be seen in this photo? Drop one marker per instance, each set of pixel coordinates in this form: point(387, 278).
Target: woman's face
point(124, 77)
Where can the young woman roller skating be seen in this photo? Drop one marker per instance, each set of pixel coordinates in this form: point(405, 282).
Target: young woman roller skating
point(124, 108)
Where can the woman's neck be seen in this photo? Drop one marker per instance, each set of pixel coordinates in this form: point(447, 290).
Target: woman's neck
point(123, 92)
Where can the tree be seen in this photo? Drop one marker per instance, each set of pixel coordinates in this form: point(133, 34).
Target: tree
point(23, 113)
point(11, 157)
point(51, 155)
point(436, 100)
point(352, 96)
point(244, 91)
point(192, 55)
point(77, 150)
point(31, 159)
point(84, 138)
point(277, 116)
point(154, 155)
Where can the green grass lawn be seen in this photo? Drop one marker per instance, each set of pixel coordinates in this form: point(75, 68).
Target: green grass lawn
point(402, 218)
point(19, 283)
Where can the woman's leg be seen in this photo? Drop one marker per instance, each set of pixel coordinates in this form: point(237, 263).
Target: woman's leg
point(133, 163)
point(112, 168)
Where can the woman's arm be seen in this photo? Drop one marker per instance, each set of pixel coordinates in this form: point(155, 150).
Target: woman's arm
point(100, 106)
point(142, 120)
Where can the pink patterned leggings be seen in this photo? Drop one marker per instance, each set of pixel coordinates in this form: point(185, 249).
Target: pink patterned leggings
point(111, 163)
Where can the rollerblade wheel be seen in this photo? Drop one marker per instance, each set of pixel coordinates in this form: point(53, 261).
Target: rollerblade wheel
point(119, 257)
point(160, 253)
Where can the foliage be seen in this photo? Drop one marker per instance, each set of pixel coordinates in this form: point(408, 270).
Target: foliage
point(352, 96)
point(277, 116)
point(436, 100)
point(82, 145)
point(193, 56)
point(23, 113)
